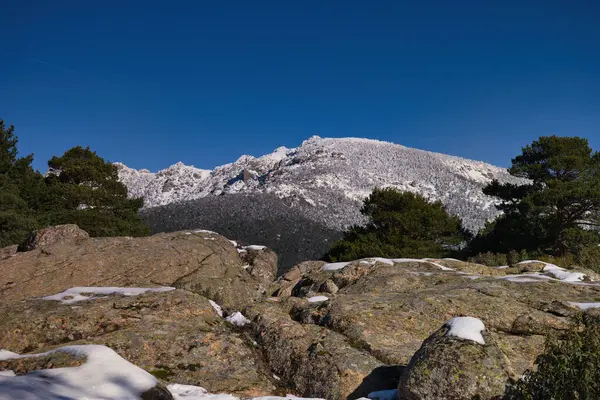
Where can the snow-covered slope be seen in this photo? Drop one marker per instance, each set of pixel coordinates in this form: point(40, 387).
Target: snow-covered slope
point(322, 171)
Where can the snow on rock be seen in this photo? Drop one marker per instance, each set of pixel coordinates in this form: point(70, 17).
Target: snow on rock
point(188, 392)
point(584, 306)
point(104, 375)
point(254, 247)
point(205, 231)
point(317, 299)
point(217, 308)
point(238, 319)
point(334, 266)
point(562, 274)
point(76, 294)
point(389, 261)
point(467, 328)
point(5, 354)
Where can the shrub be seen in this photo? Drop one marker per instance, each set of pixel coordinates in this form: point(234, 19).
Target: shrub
point(401, 224)
point(589, 257)
point(490, 259)
point(568, 369)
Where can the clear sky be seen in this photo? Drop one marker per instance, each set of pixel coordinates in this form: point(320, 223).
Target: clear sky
point(152, 83)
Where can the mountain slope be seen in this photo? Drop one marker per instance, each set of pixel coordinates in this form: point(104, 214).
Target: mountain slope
point(322, 181)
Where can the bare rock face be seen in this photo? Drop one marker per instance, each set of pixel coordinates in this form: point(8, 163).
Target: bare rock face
point(8, 251)
point(466, 366)
point(55, 235)
point(205, 263)
point(177, 336)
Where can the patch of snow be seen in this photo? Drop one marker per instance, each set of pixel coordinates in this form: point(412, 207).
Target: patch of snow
point(75, 294)
point(234, 243)
point(317, 299)
point(8, 372)
point(471, 276)
point(217, 308)
point(467, 328)
point(189, 392)
point(104, 375)
point(255, 247)
point(391, 394)
point(374, 260)
point(335, 266)
point(584, 306)
point(205, 231)
point(390, 261)
point(5, 354)
point(562, 274)
point(238, 319)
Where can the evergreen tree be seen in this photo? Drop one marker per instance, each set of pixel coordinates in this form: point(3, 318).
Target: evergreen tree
point(82, 188)
point(558, 211)
point(401, 224)
point(16, 178)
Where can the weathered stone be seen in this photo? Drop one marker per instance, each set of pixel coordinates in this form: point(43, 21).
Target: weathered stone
point(315, 361)
point(54, 235)
point(177, 336)
point(158, 392)
point(25, 365)
point(204, 263)
point(8, 251)
point(329, 287)
point(452, 368)
point(262, 264)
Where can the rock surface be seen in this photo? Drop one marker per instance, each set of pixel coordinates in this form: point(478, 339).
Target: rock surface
point(453, 368)
point(203, 262)
point(60, 234)
point(331, 331)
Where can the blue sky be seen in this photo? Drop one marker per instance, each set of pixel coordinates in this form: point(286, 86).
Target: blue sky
point(152, 83)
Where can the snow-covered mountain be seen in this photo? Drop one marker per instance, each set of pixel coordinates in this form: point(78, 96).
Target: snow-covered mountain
point(322, 173)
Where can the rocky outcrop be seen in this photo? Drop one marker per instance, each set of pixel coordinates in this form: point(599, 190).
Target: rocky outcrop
point(458, 362)
point(55, 235)
point(201, 261)
point(176, 336)
point(334, 331)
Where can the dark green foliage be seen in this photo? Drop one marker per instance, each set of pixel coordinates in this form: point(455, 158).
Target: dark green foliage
point(84, 189)
point(17, 179)
point(490, 259)
point(569, 368)
point(589, 257)
point(558, 211)
point(400, 225)
point(81, 188)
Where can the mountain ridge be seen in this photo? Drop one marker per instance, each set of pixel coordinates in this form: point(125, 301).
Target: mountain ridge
point(299, 201)
point(350, 165)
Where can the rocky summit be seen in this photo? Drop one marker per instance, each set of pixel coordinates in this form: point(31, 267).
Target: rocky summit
point(186, 314)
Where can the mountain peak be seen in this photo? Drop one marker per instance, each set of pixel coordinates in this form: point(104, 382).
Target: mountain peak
point(322, 169)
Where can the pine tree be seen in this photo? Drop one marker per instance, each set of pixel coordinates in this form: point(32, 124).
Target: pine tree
point(84, 189)
point(16, 179)
point(401, 224)
point(558, 210)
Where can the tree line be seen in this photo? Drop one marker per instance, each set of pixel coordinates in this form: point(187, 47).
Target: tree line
point(555, 215)
point(79, 188)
